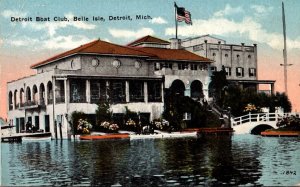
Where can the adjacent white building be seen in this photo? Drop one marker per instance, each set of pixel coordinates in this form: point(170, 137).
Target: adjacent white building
point(240, 61)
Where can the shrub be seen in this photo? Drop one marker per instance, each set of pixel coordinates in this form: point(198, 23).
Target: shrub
point(76, 116)
point(291, 122)
point(84, 126)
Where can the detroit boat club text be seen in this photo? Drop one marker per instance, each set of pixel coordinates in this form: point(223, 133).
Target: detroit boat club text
point(81, 18)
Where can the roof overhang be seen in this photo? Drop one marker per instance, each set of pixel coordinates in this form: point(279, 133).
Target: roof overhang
point(95, 54)
point(253, 81)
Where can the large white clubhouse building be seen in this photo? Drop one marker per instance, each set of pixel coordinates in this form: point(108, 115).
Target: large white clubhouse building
point(135, 76)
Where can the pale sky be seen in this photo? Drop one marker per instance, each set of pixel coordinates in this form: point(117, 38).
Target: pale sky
point(236, 21)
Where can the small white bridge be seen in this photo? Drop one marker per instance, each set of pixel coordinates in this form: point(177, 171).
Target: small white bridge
point(247, 123)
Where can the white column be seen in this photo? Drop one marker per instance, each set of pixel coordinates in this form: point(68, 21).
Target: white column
point(67, 93)
point(54, 91)
point(107, 90)
point(145, 92)
point(162, 92)
point(46, 94)
point(127, 92)
point(32, 95)
point(88, 91)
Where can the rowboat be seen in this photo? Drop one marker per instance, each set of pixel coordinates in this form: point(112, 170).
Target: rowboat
point(36, 138)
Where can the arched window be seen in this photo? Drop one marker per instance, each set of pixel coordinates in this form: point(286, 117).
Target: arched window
point(22, 97)
point(28, 94)
point(196, 90)
point(34, 94)
point(16, 99)
point(50, 92)
point(177, 87)
point(10, 100)
point(42, 94)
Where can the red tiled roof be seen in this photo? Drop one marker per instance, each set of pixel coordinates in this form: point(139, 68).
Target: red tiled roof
point(148, 39)
point(105, 48)
point(173, 54)
point(96, 47)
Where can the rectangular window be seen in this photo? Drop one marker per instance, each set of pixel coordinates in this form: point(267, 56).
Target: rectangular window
point(37, 122)
point(213, 68)
point(154, 91)
point(228, 71)
point(95, 92)
point(136, 91)
point(182, 66)
point(157, 66)
point(194, 66)
point(168, 65)
point(203, 67)
point(77, 91)
point(197, 47)
point(240, 72)
point(98, 91)
point(252, 72)
point(118, 92)
point(59, 91)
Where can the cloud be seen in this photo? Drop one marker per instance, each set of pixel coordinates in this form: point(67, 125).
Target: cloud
point(1, 42)
point(21, 42)
point(52, 43)
point(228, 11)
point(65, 42)
point(123, 33)
point(261, 9)
point(247, 27)
point(106, 40)
point(13, 13)
point(158, 20)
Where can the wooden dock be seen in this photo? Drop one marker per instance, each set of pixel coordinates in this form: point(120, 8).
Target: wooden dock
point(281, 133)
point(18, 136)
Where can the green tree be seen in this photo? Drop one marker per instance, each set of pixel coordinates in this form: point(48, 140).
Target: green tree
point(75, 116)
point(283, 101)
point(238, 99)
point(103, 112)
point(218, 85)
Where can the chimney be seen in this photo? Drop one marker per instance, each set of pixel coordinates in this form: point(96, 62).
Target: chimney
point(175, 43)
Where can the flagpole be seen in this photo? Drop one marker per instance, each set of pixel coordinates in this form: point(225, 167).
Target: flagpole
point(176, 24)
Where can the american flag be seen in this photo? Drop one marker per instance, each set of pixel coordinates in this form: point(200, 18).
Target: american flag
point(183, 15)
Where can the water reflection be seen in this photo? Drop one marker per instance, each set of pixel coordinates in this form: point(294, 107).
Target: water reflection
point(166, 162)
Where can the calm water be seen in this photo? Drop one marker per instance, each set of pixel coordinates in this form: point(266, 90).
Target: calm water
point(241, 159)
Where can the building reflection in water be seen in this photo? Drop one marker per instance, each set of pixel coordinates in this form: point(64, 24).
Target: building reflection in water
point(212, 160)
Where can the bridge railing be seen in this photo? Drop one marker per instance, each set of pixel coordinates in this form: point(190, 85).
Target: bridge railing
point(257, 117)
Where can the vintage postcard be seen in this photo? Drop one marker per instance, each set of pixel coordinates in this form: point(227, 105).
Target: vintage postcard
point(150, 93)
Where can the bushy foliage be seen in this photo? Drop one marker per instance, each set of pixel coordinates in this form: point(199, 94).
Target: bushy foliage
point(290, 122)
point(161, 124)
point(252, 108)
point(76, 116)
point(84, 126)
point(176, 106)
point(248, 100)
point(218, 85)
point(109, 127)
point(103, 112)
